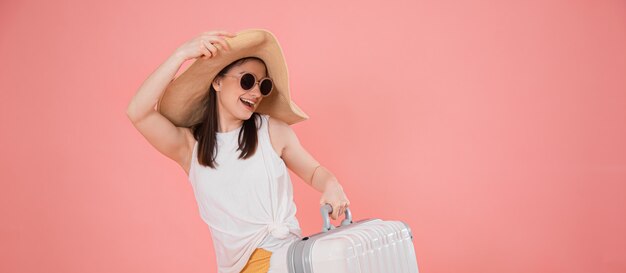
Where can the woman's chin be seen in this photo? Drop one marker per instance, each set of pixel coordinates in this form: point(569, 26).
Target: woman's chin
point(245, 115)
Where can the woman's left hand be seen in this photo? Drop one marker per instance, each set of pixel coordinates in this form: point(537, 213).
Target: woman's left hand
point(334, 195)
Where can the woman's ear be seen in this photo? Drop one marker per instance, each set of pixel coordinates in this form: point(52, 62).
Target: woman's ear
point(217, 83)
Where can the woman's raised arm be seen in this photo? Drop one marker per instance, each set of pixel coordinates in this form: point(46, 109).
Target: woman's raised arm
point(167, 138)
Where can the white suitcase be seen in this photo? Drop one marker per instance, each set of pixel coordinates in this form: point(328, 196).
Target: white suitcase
point(366, 246)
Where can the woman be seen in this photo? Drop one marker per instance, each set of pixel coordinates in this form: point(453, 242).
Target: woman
point(225, 121)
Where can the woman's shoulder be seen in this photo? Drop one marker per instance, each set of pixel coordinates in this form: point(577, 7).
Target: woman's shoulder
point(277, 123)
point(279, 133)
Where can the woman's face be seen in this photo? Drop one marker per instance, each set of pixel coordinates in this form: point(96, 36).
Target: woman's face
point(230, 93)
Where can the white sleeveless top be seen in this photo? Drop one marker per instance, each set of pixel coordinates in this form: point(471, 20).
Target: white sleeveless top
point(247, 203)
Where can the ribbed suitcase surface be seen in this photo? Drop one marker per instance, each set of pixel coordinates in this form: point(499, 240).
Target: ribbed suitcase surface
point(366, 246)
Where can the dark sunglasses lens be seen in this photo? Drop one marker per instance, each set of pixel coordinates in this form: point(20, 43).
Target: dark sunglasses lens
point(266, 87)
point(247, 81)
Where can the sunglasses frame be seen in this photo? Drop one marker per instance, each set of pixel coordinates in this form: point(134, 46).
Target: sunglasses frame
point(255, 82)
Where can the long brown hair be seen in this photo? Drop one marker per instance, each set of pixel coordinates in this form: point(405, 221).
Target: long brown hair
point(205, 132)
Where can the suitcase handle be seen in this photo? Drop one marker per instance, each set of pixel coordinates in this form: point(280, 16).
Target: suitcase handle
point(326, 210)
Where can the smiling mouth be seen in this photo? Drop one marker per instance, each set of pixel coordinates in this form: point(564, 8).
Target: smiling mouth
point(247, 104)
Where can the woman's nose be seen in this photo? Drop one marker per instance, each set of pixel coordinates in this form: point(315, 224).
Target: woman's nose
point(256, 90)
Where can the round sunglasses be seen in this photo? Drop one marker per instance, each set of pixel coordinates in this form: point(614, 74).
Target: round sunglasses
point(248, 80)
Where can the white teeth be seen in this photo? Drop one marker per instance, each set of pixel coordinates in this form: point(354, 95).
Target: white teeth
point(252, 103)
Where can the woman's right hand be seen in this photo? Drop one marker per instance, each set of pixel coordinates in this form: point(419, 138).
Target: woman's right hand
point(203, 45)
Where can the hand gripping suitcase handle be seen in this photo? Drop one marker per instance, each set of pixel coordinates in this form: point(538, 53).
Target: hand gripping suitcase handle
point(326, 210)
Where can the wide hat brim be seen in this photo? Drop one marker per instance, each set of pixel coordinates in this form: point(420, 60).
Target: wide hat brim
point(181, 102)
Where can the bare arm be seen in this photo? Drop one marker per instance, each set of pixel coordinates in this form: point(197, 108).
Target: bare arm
point(170, 140)
point(146, 98)
point(300, 161)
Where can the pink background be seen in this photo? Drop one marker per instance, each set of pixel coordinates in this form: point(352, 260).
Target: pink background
point(495, 130)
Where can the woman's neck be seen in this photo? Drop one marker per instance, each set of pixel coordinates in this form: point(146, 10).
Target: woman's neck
point(229, 124)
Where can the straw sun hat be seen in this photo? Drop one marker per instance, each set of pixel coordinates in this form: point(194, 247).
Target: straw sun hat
point(181, 102)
